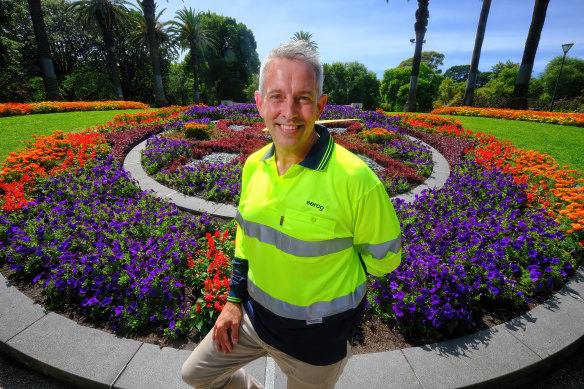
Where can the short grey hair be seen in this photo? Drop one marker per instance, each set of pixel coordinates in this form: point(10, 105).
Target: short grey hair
point(301, 50)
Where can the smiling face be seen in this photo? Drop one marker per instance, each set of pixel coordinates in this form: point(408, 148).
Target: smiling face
point(289, 105)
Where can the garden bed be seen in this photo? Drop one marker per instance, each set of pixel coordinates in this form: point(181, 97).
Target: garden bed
point(104, 251)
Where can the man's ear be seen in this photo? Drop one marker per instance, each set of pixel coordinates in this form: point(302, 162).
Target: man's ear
point(320, 104)
point(259, 102)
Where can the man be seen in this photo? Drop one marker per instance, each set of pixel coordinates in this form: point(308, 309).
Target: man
point(312, 219)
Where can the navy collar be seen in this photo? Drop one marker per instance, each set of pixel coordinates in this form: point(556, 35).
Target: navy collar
point(319, 153)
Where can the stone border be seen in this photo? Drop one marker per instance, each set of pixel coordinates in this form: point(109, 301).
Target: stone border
point(508, 355)
point(133, 165)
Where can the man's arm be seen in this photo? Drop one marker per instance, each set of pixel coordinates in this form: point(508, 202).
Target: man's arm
point(377, 232)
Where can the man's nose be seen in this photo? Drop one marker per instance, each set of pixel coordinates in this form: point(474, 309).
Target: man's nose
point(290, 108)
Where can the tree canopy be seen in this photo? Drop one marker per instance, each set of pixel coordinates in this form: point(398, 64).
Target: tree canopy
point(350, 82)
point(571, 83)
point(432, 58)
point(459, 73)
point(396, 83)
point(234, 60)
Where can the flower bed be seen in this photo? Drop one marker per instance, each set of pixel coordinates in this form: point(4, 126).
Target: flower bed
point(99, 244)
point(125, 121)
point(173, 162)
point(13, 109)
point(556, 189)
point(46, 156)
point(564, 119)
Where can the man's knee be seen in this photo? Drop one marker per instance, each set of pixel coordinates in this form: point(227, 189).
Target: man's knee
point(192, 376)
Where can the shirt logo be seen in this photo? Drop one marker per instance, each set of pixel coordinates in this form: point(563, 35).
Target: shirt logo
point(315, 205)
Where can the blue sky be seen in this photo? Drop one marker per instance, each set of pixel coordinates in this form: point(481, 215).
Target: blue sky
point(378, 34)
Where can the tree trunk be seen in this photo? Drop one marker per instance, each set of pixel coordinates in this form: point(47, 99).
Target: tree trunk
point(519, 98)
point(468, 98)
point(110, 55)
point(420, 28)
point(149, 9)
point(45, 60)
point(195, 63)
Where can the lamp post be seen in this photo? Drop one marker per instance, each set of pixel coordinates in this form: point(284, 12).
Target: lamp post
point(566, 47)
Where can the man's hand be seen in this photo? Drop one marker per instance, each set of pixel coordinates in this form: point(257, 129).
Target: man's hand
point(226, 329)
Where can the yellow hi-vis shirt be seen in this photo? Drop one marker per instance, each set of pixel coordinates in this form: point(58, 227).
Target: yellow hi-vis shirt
point(303, 236)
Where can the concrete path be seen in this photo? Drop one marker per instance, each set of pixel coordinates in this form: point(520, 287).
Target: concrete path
point(507, 355)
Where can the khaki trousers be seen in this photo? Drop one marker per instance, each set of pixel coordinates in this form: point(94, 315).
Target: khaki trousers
point(208, 368)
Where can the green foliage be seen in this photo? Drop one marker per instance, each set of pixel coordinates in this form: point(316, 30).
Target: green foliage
point(393, 80)
point(500, 66)
point(396, 83)
point(350, 82)
point(86, 83)
point(177, 91)
point(502, 84)
point(450, 93)
point(232, 64)
point(571, 82)
point(458, 72)
point(36, 89)
point(432, 58)
point(18, 54)
point(253, 86)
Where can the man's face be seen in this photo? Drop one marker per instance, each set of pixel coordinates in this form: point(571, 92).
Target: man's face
point(290, 104)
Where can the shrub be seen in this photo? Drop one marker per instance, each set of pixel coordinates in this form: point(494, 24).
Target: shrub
point(198, 131)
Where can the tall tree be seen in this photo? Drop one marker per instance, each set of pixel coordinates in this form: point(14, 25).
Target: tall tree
point(192, 34)
point(422, 16)
point(305, 36)
point(228, 69)
point(104, 15)
point(45, 59)
point(476, 55)
point(519, 97)
point(149, 7)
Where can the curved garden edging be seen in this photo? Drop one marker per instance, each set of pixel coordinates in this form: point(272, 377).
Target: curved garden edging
point(133, 165)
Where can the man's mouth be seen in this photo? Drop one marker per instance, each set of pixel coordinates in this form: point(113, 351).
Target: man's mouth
point(288, 127)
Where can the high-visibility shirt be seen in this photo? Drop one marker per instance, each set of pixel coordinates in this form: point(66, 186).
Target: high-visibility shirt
point(302, 243)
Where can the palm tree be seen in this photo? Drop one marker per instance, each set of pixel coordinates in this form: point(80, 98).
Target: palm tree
point(104, 15)
point(305, 36)
point(476, 55)
point(422, 16)
point(192, 34)
point(153, 29)
point(45, 59)
point(519, 97)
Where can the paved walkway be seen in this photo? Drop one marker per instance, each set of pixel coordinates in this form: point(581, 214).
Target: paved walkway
point(510, 354)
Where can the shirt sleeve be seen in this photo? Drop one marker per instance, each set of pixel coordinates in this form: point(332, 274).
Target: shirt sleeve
point(238, 283)
point(377, 232)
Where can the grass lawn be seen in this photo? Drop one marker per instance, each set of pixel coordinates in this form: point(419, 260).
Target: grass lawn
point(564, 143)
point(15, 129)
